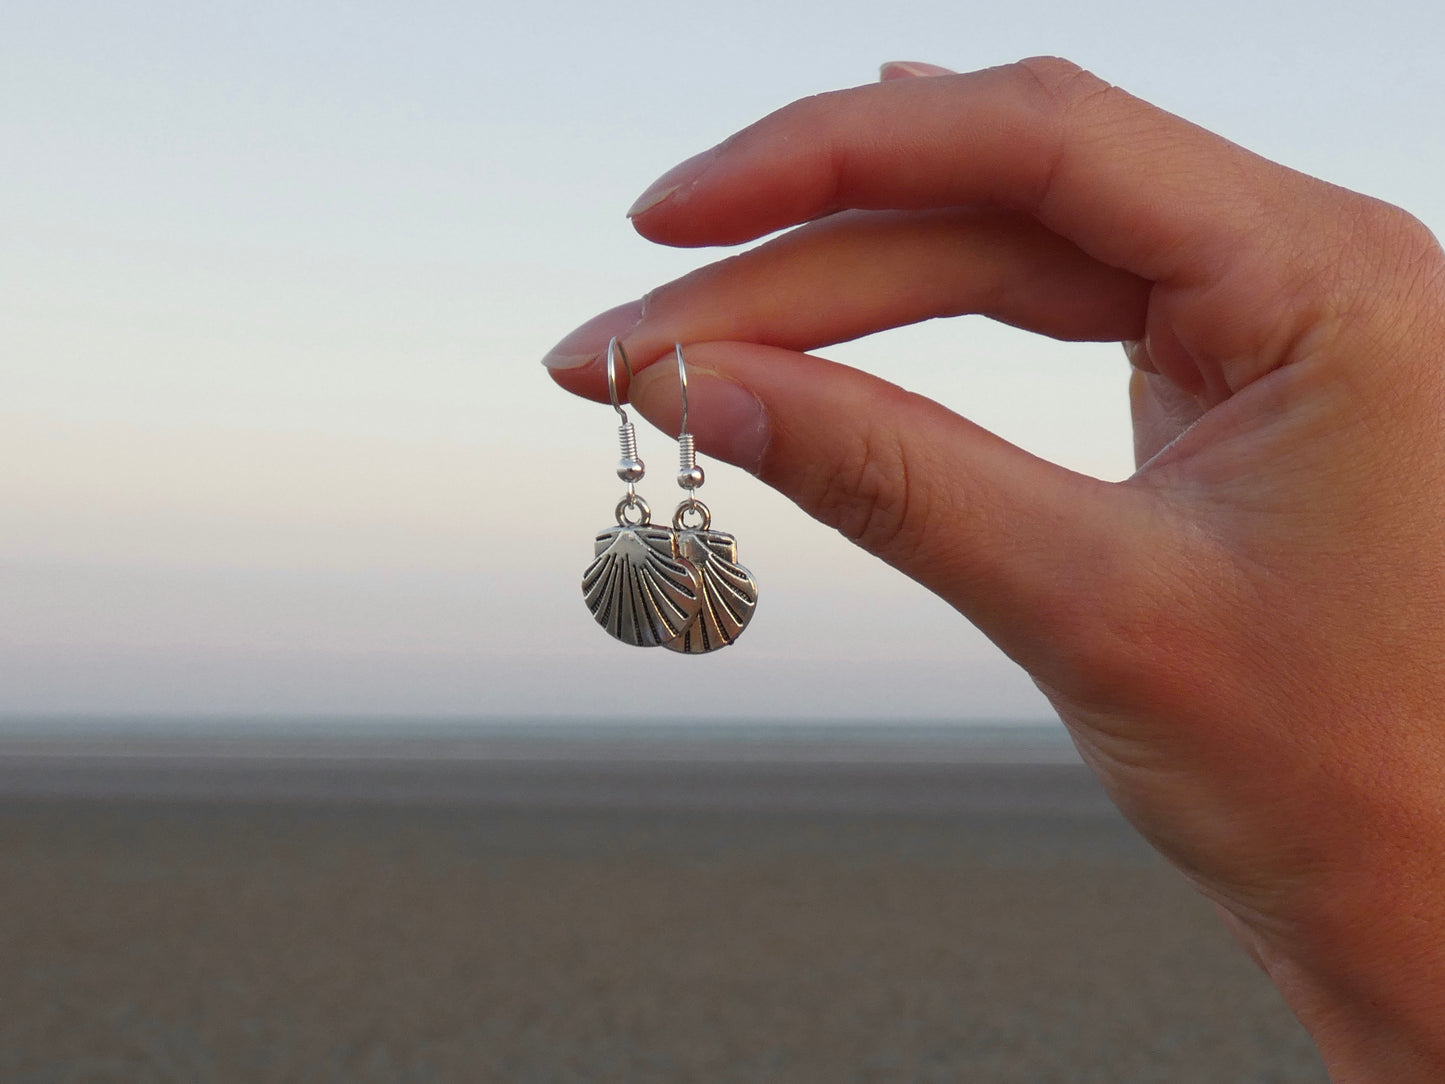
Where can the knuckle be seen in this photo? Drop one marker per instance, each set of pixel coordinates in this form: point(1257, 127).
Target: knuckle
point(1384, 256)
point(1417, 249)
point(1379, 227)
point(1057, 94)
point(868, 497)
point(798, 117)
point(1062, 82)
point(1397, 223)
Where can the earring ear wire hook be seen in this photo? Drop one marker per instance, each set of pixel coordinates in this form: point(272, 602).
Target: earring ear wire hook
point(630, 467)
point(615, 351)
point(689, 474)
point(681, 383)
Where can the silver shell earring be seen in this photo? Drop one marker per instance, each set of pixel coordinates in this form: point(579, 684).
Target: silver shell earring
point(637, 587)
point(729, 593)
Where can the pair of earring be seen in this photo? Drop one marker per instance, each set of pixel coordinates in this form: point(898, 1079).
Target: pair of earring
point(678, 587)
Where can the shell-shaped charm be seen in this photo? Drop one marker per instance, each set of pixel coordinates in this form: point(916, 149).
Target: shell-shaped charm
point(729, 592)
point(637, 589)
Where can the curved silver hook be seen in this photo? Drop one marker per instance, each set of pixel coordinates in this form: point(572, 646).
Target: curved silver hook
point(682, 383)
point(614, 351)
point(689, 474)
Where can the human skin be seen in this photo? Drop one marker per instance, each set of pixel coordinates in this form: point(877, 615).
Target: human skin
point(1246, 638)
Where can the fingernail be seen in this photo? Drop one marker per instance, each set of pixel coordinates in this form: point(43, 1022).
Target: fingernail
point(683, 175)
point(906, 69)
point(590, 340)
point(728, 421)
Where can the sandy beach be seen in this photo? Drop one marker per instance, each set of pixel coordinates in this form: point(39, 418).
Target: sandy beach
point(180, 913)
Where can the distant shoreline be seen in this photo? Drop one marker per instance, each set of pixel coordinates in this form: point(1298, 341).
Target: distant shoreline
point(568, 764)
point(548, 736)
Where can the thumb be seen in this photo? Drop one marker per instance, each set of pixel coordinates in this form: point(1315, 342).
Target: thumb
point(1024, 548)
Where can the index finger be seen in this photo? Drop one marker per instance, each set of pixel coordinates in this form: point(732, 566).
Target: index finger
point(1132, 185)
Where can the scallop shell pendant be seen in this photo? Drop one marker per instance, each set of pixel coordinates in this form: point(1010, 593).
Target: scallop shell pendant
point(636, 587)
point(729, 593)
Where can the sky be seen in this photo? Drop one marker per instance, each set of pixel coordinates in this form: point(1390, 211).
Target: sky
point(275, 280)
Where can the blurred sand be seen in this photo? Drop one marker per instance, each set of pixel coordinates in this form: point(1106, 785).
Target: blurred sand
point(174, 938)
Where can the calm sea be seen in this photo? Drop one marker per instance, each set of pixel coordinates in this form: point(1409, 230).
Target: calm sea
point(752, 764)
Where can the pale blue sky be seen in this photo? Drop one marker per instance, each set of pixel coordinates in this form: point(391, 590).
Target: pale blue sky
point(275, 279)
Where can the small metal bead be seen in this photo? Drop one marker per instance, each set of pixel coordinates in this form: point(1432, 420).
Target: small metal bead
point(630, 470)
point(690, 478)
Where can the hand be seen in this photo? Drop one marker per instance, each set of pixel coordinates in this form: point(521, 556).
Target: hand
point(1247, 637)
